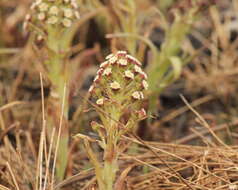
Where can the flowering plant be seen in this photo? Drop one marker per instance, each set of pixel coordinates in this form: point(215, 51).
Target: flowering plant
point(118, 90)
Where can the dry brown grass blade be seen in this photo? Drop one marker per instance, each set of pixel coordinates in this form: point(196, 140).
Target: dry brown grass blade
point(120, 181)
point(164, 162)
point(9, 105)
point(206, 131)
point(175, 156)
point(13, 176)
point(203, 121)
point(4, 188)
point(74, 178)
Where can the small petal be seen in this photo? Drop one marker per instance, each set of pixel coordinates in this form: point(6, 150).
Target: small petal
point(145, 85)
point(52, 20)
point(113, 59)
point(43, 7)
point(54, 10)
point(91, 89)
point(96, 79)
point(68, 13)
point(136, 95)
point(107, 71)
point(129, 74)
point(110, 56)
point(100, 101)
point(122, 62)
point(144, 75)
point(115, 85)
point(28, 17)
point(141, 95)
point(41, 16)
point(100, 71)
point(77, 15)
point(137, 69)
point(67, 22)
point(104, 64)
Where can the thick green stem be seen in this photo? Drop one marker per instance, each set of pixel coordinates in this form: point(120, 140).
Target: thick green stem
point(58, 76)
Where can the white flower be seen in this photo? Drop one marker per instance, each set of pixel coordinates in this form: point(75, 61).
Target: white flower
point(66, 1)
point(37, 2)
point(133, 60)
point(121, 53)
point(104, 64)
point(91, 88)
point(129, 74)
point(39, 38)
point(115, 85)
point(67, 22)
point(107, 71)
point(136, 95)
point(52, 20)
point(110, 56)
point(41, 16)
point(77, 15)
point(54, 10)
point(145, 85)
point(99, 72)
point(43, 7)
point(144, 75)
point(113, 59)
point(122, 62)
point(141, 95)
point(28, 17)
point(74, 4)
point(100, 101)
point(68, 12)
point(96, 79)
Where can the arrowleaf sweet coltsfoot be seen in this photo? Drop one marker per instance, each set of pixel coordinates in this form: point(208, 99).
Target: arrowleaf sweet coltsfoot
point(118, 91)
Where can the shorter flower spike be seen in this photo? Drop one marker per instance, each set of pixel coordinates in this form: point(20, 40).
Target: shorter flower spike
point(121, 81)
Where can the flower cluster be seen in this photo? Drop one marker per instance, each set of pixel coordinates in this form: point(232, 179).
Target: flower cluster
point(53, 12)
point(119, 84)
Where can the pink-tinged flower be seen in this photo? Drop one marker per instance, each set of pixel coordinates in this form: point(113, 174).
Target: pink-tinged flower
point(113, 60)
point(107, 71)
point(136, 95)
point(91, 89)
point(145, 85)
point(122, 62)
point(97, 78)
point(133, 60)
point(115, 85)
point(137, 69)
point(100, 71)
point(109, 56)
point(104, 64)
point(144, 75)
point(141, 113)
point(121, 53)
